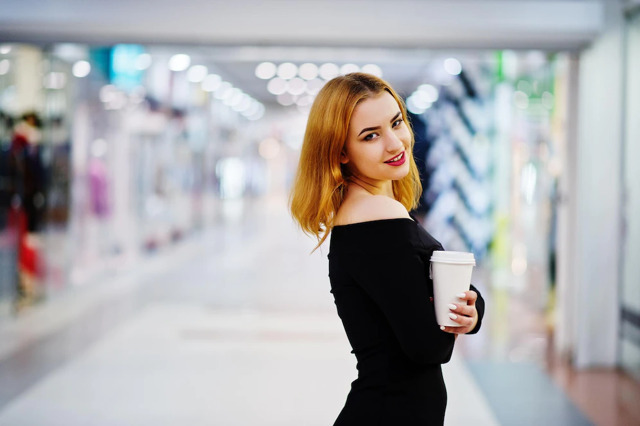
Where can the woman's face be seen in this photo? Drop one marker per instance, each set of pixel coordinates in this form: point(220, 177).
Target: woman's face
point(378, 141)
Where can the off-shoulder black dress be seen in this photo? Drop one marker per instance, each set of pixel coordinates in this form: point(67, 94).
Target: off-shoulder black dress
point(380, 282)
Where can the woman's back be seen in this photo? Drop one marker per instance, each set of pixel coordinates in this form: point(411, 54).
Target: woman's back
point(379, 279)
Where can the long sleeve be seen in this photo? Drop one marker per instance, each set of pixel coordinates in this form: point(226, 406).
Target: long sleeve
point(480, 309)
point(398, 284)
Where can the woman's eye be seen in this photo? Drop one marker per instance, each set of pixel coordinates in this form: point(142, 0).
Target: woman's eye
point(370, 136)
point(397, 122)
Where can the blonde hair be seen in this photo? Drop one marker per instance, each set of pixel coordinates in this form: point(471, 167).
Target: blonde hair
point(318, 190)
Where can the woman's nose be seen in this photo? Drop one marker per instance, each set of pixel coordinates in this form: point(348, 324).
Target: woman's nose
point(394, 144)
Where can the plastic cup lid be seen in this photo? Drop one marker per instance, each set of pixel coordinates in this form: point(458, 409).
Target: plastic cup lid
point(456, 257)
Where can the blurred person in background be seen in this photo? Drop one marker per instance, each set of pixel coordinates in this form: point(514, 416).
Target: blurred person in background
point(357, 179)
point(28, 204)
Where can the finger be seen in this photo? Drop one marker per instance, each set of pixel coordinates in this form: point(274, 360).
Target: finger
point(464, 321)
point(455, 330)
point(470, 296)
point(465, 310)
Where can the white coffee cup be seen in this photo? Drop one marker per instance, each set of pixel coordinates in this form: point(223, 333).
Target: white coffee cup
point(451, 275)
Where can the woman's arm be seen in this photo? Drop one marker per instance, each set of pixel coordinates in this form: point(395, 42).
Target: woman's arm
point(397, 282)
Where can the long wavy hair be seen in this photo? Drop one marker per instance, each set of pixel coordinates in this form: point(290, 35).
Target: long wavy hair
point(321, 179)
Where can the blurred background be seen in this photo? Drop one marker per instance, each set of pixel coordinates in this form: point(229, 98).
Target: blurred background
point(150, 272)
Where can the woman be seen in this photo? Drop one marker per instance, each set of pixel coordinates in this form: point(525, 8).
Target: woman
point(357, 180)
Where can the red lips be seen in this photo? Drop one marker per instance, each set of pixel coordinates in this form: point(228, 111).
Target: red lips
point(399, 162)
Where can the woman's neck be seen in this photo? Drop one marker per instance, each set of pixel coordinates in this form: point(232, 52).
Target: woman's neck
point(386, 188)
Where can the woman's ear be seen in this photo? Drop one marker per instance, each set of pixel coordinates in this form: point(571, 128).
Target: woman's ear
point(343, 158)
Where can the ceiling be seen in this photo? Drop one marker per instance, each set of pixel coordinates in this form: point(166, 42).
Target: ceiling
point(404, 37)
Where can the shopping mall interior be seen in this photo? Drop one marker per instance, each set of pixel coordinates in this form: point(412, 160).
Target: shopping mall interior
point(150, 270)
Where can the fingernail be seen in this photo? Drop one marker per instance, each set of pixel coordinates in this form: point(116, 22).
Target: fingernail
point(452, 306)
point(462, 295)
point(453, 316)
point(442, 327)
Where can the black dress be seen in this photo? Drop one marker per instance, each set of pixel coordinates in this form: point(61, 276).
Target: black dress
point(380, 282)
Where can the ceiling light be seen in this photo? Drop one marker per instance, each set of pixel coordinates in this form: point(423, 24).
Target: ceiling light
point(328, 71)
point(452, 66)
point(221, 91)
point(179, 62)
point(81, 69)
point(414, 107)
point(266, 70)
point(428, 92)
point(372, 69)
point(253, 108)
point(258, 114)
point(286, 99)
point(211, 83)
point(244, 104)
point(349, 68)
point(230, 95)
point(277, 86)
point(419, 100)
point(297, 86)
point(314, 86)
point(287, 70)
point(304, 100)
point(308, 71)
point(197, 73)
point(236, 98)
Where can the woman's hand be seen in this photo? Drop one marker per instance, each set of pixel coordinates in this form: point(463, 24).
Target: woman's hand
point(465, 313)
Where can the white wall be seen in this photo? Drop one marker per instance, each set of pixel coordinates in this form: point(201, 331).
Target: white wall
point(630, 291)
point(598, 189)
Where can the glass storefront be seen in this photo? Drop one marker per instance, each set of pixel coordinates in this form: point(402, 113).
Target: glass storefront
point(107, 154)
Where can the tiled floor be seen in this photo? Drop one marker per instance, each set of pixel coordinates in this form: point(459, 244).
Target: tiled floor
point(234, 327)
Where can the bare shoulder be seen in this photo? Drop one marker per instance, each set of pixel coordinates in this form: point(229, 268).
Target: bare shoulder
point(370, 207)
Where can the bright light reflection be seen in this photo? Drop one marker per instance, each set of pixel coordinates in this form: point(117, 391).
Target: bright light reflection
point(197, 73)
point(4, 49)
point(211, 83)
point(277, 86)
point(428, 92)
point(308, 71)
point(143, 62)
point(258, 114)
point(349, 68)
point(230, 95)
point(286, 99)
point(223, 89)
point(5, 66)
point(452, 66)
point(253, 109)
point(287, 70)
point(244, 104)
point(269, 148)
point(81, 69)
point(314, 86)
point(328, 71)
point(266, 70)
point(372, 69)
point(297, 86)
point(304, 100)
point(179, 62)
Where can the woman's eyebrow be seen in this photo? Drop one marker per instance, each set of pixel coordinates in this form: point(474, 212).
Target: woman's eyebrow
point(366, 129)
